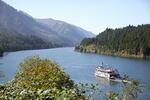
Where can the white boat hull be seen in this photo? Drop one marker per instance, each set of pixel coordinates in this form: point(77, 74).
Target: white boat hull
point(104, 75)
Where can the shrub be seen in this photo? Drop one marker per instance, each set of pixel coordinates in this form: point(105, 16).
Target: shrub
point(40, 79)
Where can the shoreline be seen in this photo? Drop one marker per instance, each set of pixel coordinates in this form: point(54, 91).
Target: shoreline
point(6, 52)
point(113, 54)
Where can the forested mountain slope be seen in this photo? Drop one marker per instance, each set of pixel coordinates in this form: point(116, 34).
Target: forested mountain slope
point(17, 27)
point(66, 30)
point(14, 42)
point(22, 23)
point(129, 41)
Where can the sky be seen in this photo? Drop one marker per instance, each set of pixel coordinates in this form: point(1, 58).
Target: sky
point(91, 15)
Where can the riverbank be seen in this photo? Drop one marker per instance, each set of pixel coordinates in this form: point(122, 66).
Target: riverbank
point(7, 51)
point(101, 51)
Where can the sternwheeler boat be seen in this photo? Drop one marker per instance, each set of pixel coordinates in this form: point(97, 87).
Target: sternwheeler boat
point(107, 73)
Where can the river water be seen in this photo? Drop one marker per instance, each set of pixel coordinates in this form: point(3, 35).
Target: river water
point(81, 66)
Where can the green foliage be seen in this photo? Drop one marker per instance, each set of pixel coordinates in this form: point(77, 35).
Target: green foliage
point(40, 79)
point(112, 96)
point(13, 42)
point(128, 41)
point(87, 41)
point(92, 91)
point(43, 72)
point(131, 91)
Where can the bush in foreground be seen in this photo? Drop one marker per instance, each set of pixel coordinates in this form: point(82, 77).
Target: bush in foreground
point(40, 79)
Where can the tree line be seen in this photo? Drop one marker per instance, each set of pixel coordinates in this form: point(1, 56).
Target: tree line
point(13, 42)
point(129, 41)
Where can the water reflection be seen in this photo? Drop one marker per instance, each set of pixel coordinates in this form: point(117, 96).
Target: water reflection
point(104, 81)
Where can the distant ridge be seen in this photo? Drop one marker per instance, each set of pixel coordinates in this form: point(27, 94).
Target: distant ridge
point(12, 20)
point(66, 30)
point(20, 31)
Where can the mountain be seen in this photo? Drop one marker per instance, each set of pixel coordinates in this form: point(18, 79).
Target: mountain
point(18, 22)
point(66, 30)
point(12, 42)
point(21, 23)
point(129, 41)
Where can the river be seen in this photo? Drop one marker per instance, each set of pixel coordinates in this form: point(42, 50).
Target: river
point(80, 66)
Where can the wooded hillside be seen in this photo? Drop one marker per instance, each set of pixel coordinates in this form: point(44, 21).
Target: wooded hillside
point(129, 41)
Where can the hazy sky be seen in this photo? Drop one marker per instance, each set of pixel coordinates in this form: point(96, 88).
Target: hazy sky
point(92, 15)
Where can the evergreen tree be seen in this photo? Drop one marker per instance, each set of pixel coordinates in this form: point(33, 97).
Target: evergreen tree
point(128, 41)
